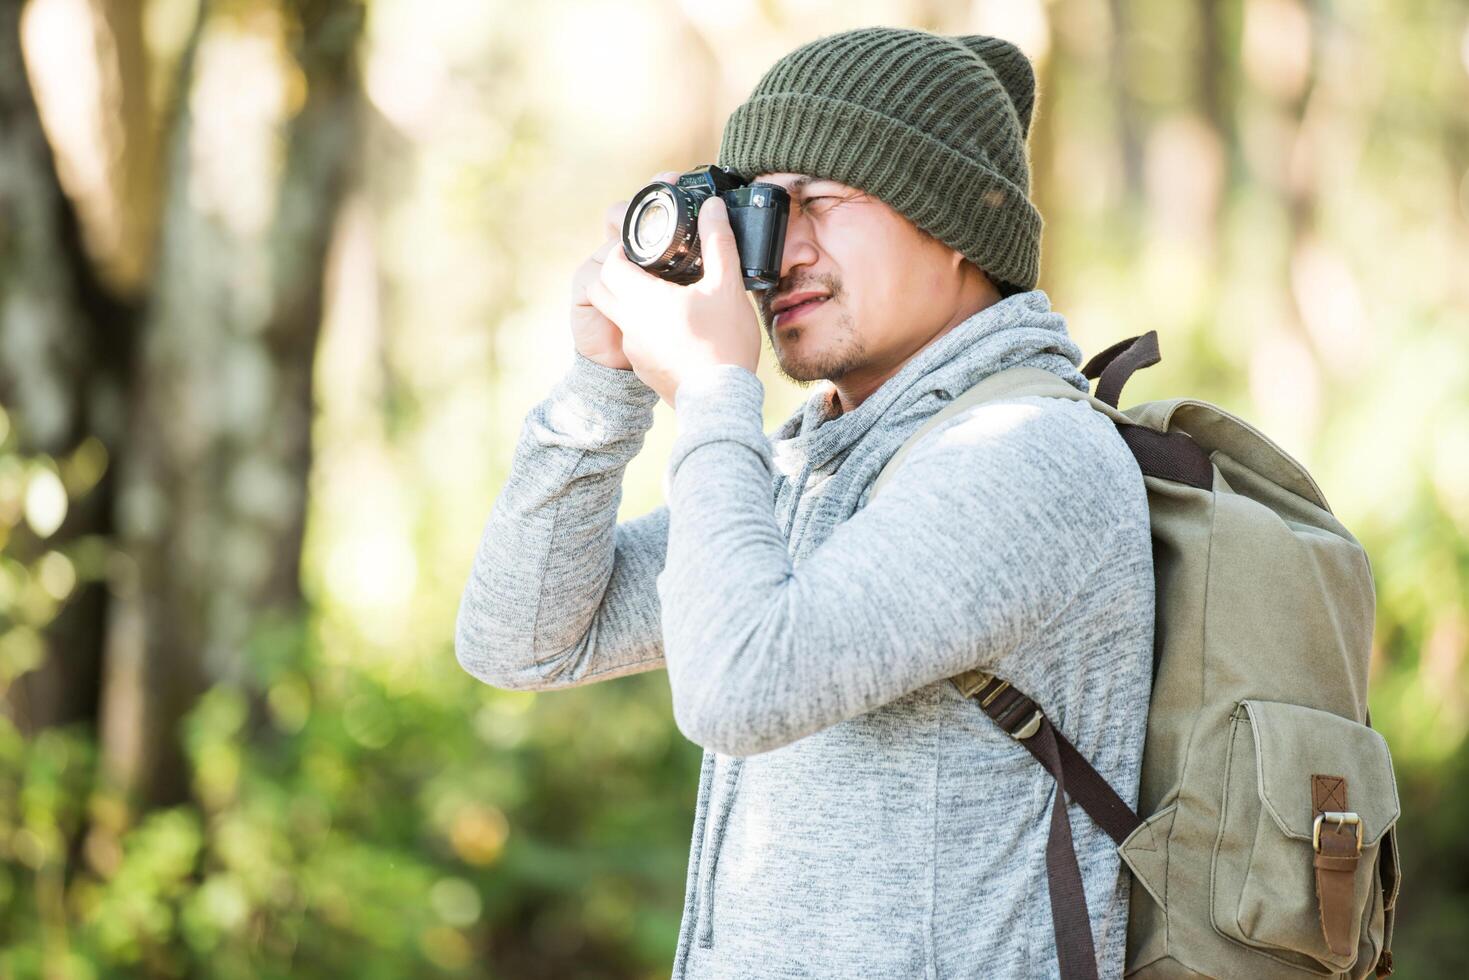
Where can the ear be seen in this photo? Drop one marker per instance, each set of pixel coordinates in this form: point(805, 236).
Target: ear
point(958, 262)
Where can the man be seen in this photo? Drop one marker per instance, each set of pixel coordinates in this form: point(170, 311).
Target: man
point(856, 817)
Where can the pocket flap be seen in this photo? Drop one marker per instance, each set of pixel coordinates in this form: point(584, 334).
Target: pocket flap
point(1293, 742)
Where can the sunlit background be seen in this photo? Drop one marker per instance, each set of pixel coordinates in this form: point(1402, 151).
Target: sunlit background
point(280, 280)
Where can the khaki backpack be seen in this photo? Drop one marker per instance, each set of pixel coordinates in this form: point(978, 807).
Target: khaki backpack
point(1268, 847)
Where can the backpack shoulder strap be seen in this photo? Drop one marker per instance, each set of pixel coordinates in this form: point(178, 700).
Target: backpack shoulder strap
point(1009, 383)
point(1023, 720)
point(1165, 452)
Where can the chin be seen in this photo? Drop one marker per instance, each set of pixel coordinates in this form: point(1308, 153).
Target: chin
point(796, 361)
point(820, 366)
point(809, 356)
point(802, 376)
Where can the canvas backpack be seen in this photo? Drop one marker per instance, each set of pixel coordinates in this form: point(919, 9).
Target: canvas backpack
point(1264, 845)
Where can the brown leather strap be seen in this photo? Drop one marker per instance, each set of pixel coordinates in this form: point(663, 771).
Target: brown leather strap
point(1117, 363)
point(1102, 358)
point(1095, 795)
point(1386, 864)
point(1169, 455)
point(1386, 859)
point(1338, 851)
point(1020, 717)
point(1069, 916)
point(1328, 793)
point(1012, 710)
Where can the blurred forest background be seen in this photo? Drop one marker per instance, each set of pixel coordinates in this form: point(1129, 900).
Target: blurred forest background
point(280, 279)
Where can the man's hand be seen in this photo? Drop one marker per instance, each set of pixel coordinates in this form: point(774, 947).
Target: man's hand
point(670, 332)
point(595, 336)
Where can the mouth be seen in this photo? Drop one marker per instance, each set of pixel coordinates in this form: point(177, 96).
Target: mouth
point(790, 314)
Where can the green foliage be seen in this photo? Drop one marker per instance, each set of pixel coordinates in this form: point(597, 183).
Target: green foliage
point(344, 829)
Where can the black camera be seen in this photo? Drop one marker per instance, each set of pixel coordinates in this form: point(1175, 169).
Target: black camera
point(660, 231)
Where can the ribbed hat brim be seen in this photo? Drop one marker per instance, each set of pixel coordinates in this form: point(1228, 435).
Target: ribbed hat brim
point(974, 210)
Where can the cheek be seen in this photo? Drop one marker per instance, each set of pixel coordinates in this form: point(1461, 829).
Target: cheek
point(886, 270)
point(875, 262)
point(872, 290)
point(857, 273)
point(935, 276)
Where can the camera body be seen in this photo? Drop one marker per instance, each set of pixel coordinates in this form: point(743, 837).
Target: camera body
point(660, 231)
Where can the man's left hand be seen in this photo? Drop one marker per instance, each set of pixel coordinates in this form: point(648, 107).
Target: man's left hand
point(669, 331)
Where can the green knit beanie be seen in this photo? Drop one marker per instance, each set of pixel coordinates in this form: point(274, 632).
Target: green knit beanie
point(932, 125)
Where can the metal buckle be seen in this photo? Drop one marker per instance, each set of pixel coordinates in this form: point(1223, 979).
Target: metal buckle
point(1034, 725)
point(1337, 817)
point(993, 694)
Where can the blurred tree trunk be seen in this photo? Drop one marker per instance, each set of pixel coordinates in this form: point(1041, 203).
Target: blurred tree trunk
point(1301, 177)
point(1216, 107)
point(1215, 75)
point(135, 180)
point(1129, 118)
point(213, 485)
point(200, 389)
point(65, 347)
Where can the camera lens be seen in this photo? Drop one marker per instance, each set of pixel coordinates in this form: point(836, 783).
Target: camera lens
point(650, 228)
point(660, 232)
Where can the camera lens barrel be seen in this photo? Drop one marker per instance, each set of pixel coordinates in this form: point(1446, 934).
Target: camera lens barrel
point(660, 231)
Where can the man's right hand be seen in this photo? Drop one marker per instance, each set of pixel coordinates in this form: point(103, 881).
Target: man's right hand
point(596, 337)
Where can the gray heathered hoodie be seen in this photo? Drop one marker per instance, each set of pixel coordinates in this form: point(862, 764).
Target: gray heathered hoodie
point(856, 817)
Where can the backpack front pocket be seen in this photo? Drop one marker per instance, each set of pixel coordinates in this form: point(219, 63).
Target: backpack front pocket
point(1308, 796)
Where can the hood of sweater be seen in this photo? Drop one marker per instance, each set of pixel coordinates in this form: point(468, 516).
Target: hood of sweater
point(1019, 329)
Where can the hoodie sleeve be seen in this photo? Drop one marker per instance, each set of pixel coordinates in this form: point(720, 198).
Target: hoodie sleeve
point(992, 525)
point(560, 594)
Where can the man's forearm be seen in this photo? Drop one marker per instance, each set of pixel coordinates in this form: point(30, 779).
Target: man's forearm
point(558, 593)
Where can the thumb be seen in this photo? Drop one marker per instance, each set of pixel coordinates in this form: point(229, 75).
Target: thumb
point(717, 244)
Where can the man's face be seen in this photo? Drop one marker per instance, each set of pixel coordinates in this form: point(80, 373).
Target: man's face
point(891, 286)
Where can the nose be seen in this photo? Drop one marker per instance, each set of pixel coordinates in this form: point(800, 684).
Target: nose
point(799, 249)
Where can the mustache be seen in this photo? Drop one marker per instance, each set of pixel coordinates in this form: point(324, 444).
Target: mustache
point(768, 297)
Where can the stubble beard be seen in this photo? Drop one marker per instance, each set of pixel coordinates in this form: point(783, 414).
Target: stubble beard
point(840, 351)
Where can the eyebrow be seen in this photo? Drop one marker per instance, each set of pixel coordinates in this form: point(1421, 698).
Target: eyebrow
point(798, 185)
